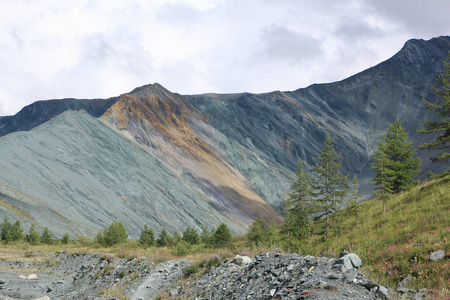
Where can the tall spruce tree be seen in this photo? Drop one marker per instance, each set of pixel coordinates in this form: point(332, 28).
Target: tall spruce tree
point(383, 175)
point(299, 204)
point(402, 163)
point(352, 202)
point(440, 128)
point(330, 186)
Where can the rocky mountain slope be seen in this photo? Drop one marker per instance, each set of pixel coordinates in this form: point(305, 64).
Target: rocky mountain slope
point(156, 157)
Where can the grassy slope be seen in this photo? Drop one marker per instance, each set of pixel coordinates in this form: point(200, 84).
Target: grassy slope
point(391, 246)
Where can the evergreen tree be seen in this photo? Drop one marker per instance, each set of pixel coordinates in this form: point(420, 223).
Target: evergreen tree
point(258, 232)
point(163, 238)
point(330, 185)
point(383, 175)
point(6, 231)
point(175, 239)
point(401, 158)
point(33, 236)
point(439, 128)
point(207, 236)
point(299, 204)
point(147, 238)
point(352, 203)
point(17, 231)
point(46, 237)
point(222, 236)
point(191, 236)
point(65, 238)
point(115, 234)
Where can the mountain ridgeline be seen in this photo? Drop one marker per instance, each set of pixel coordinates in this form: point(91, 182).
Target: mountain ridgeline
point(159, 158)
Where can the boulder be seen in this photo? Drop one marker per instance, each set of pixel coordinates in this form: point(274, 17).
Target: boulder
point(438, 255)
point(382, 292)
point(32, 277)
point(348, 261)
point(241, 261)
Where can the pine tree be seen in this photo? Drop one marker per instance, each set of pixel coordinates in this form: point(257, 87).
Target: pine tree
point(17, 231)
point(401, 158)
point(440, 128)
point(163, 238)
point(383, 175)
point(330, 185)
point(33, 236)
point(147, 238)
point(65, 238)
point(207, 236)
point(352, 203)
point(46, 237)
point(258, 232)
point(222, 236)
point(6, 231)
point(191, 236)
point(299, 204)
point(115, 234)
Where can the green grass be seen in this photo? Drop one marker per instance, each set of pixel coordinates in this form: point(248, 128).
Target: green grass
point(397, 244)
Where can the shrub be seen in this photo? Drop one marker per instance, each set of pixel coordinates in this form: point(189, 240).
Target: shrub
point(182, 248)
point(190, 270)
point(191, 236)
point(222, 236)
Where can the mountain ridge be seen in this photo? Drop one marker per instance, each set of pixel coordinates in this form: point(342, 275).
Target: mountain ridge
point(199, 160)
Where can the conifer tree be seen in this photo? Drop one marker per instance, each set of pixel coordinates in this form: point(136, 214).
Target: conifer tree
point(147, 238)
point(383, 175)
point(17, 231)
point(65, 238)
point(46, 237)
point(163, 238)
point(402, 163)
point(115, 234)
point(258, 232)
point(440, 128)
point(299, 204)
point(191, 236)
point(6, 231)
point(33, 236)
point(330, 185)
point(207, 236)
point(222, 236)
point(352, 203)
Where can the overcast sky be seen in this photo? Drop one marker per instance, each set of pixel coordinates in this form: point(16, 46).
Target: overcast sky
point(99, 49)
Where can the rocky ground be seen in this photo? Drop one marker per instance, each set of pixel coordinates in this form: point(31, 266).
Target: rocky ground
point(268, 276)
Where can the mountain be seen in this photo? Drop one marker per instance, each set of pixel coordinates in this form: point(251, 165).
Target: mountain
point(159, 158)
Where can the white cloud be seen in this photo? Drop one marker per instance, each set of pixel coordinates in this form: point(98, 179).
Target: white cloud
point(98, 49)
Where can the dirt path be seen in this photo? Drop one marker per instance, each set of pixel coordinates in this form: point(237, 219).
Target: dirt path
point(161, 277)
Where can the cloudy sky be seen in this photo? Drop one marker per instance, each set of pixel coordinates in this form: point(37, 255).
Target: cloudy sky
point(103, 48)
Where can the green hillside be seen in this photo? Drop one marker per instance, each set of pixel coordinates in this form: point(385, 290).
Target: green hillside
point(415, 225)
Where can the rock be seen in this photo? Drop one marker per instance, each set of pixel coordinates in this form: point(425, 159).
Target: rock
point(32, 277)
point(438, 255)
point(241, 260)
point(404, 282)
point(22, 276)
point(382, 292)
point(173, 292)
point(348, 261)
